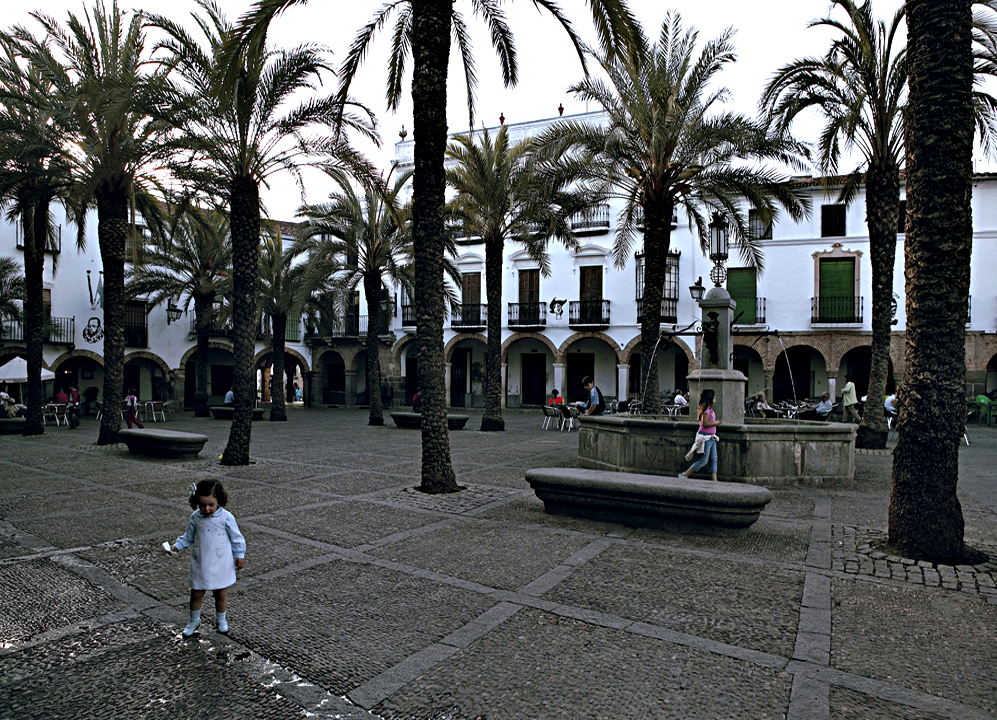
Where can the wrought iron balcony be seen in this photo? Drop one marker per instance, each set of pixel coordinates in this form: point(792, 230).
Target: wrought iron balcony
point(669, 310)
point(750, 310)
point(57, 330)
point(833, 310)
point(470, 317)
point(591, 222)
point(588, 313)
point(524, 315)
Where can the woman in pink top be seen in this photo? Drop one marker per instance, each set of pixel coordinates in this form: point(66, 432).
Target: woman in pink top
point(708, 427)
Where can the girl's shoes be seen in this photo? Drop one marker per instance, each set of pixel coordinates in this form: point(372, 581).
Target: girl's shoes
point(195, 620)
point(220, 622)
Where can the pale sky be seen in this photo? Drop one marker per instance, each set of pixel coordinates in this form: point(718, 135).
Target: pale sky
point(768, 35)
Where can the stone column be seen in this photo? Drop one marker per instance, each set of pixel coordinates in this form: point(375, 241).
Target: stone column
point(306, 390)
point(178, 387)
point(832, 381)
point(622, 380)
point(316, 384)
point(715, 370)
point(351, 388)
point(447, 380)
point(505, 383)
point(559, 378)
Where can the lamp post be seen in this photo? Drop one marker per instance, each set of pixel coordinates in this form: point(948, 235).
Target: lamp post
point(697, 290)
point(719, 248)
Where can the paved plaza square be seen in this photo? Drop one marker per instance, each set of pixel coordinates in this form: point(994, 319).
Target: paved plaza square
point(364, 598)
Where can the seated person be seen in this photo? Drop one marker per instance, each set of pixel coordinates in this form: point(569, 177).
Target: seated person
point(417, 402)
point(820, 411)
point(596, 403)
point(891, 404)
point(7, 405)
point(555, 398)
point(230, 397)
point(763, 407)
point(681, 400)
point(61, 397)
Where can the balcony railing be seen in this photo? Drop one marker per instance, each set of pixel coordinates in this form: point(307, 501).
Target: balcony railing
point(527, 315)
point(750, 310)
point(61, 330)
point(408, 316)
point(593, 313)
point(468, 317)
point(292, 332)
point(669, 310)
point(831, 309)
point(591, 222)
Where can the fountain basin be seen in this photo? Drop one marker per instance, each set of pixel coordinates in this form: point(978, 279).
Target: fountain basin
point(760, 452)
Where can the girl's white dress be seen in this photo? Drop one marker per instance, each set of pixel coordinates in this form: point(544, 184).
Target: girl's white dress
point(214, 542)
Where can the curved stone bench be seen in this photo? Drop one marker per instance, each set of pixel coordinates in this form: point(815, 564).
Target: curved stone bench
point(414, 420)
point(225, 412)
point(163, 443)
point(12, 426)
point(648, 500)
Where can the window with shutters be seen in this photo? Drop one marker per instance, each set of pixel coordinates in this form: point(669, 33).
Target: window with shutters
point(136, 325)
point(836, 296)
point(759, 226)
point(832, 221)
point(742, 286)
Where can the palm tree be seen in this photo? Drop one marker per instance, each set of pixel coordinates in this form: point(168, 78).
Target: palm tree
point(34, 171)
point(242, 126)
point(423, 31)
point(498, 197)
point(925, 518)
point(192, 263)
point(11, 290)
point(282, 297)
point(352, 242)
point(104, 95)
point(664, 145)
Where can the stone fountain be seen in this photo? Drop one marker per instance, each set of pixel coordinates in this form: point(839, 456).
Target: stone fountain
point(752, 450)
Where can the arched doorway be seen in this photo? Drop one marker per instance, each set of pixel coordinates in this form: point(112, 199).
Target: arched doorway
point(529, 372)
point(800, 374)
point(220, 376)
point(749, 363)
point(857, 362)
point(333, 378)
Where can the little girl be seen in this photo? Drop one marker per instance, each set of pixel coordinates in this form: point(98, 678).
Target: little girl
point(214, 538)
point(708, 428)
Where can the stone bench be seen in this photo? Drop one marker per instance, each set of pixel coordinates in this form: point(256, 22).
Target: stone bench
point(414, 420)
point(163, 443)
point(648, 500)
point(225, 412)
point(12, 426)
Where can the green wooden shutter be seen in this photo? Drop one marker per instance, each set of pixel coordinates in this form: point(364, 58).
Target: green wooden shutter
point(837, 289)
point(742, 285)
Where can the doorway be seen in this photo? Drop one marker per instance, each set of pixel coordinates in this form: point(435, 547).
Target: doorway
point(458, 377)
point(579, 365)
point(411, 378)
point(534, 380)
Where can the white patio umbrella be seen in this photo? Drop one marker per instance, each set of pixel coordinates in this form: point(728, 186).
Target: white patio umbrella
point(16, 371)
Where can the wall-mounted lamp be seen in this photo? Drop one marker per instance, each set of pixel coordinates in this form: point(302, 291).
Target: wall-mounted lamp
point(697, 290)
point(173, 313)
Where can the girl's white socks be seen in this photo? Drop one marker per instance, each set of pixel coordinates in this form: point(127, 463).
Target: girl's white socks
point(220, 622)
point(195, 620)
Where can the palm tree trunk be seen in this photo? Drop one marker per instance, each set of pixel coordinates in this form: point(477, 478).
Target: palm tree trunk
point(245, 225)
point(492, 419)
point(203, 320)
point(278, 340)
point(372, 293)
point(657, 239)
point(112, 231)
point(430, 54)
point(925, 518)
point(35, 231)
point(882, 201)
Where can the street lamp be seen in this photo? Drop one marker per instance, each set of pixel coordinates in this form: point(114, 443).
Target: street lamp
point(697, 291)
point(173, 313)
point(719, 247)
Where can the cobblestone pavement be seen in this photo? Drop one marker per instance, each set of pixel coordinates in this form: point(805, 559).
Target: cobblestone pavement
point(363, 598)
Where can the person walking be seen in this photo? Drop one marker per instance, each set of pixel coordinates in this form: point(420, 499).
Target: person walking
point(73, 411)
point(218, 549)
point(131, 408)
point(849, 400)
point(706, 438)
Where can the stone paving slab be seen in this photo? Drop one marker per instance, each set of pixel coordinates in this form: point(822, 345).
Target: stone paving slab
point(346, 525)
point(850, 705)
point(536, 665)
point(758, 611)
point(940, 643)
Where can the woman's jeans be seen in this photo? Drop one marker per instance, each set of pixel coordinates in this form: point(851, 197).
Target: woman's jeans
point(709, 457)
